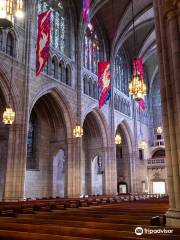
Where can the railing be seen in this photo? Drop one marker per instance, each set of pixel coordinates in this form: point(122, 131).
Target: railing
point(156, 162)
point(157, 143)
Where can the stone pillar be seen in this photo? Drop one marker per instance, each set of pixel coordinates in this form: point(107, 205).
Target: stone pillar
point(110, 173)
point(15, 169)
point(73, 168)
point(168, 41)
point(16, 160)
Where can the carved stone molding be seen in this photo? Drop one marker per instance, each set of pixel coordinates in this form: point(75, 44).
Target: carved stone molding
point(176, 3)
point(169, 9)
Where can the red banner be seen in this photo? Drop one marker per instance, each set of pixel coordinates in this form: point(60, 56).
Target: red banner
point(43, 40)
point(85, 12)
point(104, 82)
point(138, 70)
point(141, 104)
point(138, 67)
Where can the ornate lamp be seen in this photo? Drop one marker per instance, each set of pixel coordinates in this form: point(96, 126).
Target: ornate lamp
point(8, 10)
point(8, 116)
point(142, 145)
point(137, 87)
point(159, 130)
point(78, 131)
point(118, 139)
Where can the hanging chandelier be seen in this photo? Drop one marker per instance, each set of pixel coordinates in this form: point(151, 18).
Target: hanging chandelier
point(8, 116)
point(137, 87)
point(78, 131)
point(8, 10)
point(118, 139)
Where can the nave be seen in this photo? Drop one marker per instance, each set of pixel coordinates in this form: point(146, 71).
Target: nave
point(82, 219)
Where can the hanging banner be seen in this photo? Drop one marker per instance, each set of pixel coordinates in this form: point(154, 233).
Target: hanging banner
point(43, 40)
point(141, 104)
point(138, 67)
point(85, 12)
point(104, 83)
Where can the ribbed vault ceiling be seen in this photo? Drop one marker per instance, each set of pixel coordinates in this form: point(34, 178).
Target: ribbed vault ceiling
point(115, 20)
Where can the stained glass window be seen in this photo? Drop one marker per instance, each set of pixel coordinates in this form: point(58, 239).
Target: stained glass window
point(122, 70)
point(9, 44)
point(54, 68)
point(31, 143)
point(68, 76)
point(57, 24)
point(60, 72)
point(91, 49)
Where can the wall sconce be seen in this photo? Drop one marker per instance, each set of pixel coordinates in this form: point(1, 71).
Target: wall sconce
point(8, 116)
point(78, 131)
point(142, 145)
point(118, 139)
point(159, 130)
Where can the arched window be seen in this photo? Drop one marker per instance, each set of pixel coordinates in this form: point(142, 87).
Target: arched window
point(68, 76)
point(90, 87)
point(63, 72)
point(54, 68)
point(94, 90)
point(10, 44)
point(57, 23)
point(32, 143)
point(60, 72)
point(122, 70)
point(1, 40)
point(47, 67)
point(91, 49)
point(86, 85)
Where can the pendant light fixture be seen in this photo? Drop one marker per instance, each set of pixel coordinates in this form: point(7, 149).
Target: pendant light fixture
point(9, 114)
point(78, 131)
point(8, 10)
point(137, 87)
point(118, 139)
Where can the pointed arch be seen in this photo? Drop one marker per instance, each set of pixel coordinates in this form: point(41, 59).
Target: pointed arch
point(68, 75)
point(101, 123)
point(61, 101)
point(54, 67)
point(128, 133)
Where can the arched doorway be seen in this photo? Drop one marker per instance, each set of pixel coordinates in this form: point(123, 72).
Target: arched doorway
point(122, 188)
point(4, 135)
point(123, 159)
point(92, 180)
point(157, 175)
point(46, 148)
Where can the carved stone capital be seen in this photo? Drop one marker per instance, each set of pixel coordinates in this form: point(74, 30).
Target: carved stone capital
point(170, 9)
point(176, 3)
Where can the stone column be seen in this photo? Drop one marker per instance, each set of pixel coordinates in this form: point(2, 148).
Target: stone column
point(73, 168)
point(168, 41)
point(110, 173)
point(14, 177)
point(17, 144)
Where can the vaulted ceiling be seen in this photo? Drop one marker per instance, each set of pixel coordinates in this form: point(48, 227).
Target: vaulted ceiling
point(116, 20)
